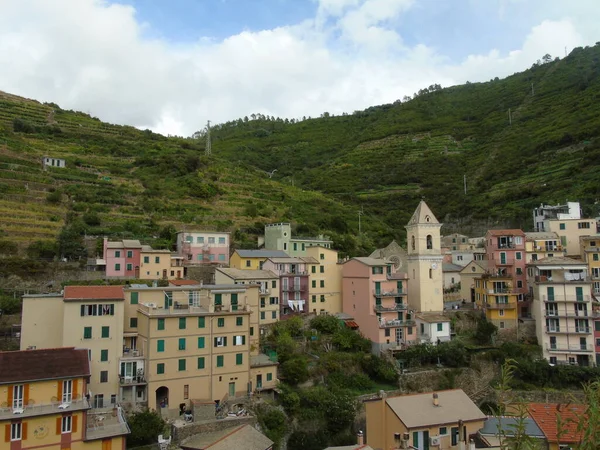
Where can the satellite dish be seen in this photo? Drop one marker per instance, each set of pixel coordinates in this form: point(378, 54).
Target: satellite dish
point(434, 266)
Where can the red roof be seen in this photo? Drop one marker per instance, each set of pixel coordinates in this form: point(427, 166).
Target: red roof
point(183, 282)
point(47, 364)
point(93, 293)
point(351, 324)
point(511, 232)
point(546, 417)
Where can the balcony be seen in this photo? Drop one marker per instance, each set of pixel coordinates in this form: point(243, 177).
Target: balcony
point(565, 348)
point(264, 291)
point(101, 425)
point(506, 261)
point(555, 330)
point(396, 323)
point(33, 409)
point(576, 315)
point(293, 272)
point(500, 305)
point(132, 381)
point(506, 244)
point(292, 288)
point(583, 330)
point(131, 353)
point(392, 293)
point(566, 298)
point(395, 307)
point(500, 291)
point(566, 278)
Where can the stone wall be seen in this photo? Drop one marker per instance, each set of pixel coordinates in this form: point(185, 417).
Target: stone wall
point(181, 430)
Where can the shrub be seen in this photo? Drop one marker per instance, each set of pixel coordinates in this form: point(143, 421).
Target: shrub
point(91, 218)
point(353, 381)
point(54, 197)
point(325, 324)
point(42, 250)
point(485, 331)
point(8, 247)
point(295, 370)
point(274, 422)
point(145, 427)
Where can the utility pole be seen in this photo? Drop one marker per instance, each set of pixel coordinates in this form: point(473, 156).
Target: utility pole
point(360, 213)
point(465, 183)
point(208, 150)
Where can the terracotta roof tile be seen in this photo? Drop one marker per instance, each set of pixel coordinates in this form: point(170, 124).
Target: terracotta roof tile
point(546, 417)
point(183, 282)
point(47, 364)
point(511, 232)
point(93, 293)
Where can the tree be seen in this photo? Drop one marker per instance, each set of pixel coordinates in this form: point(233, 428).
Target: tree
point(41, 250)
point(307, 440)
point(145, 427)
point(274, 422)
point(546, 58)
point(295, 370)
point(325, 324)
point(485, 331)
point(70, 243)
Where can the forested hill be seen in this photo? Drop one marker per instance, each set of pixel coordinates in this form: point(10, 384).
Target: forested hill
point(122, 182)
point(387, 157)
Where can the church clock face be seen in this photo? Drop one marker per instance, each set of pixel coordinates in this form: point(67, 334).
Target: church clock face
point(434, 266)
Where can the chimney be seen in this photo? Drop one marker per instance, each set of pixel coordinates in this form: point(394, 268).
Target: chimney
point(360, 438)
point(436, 400)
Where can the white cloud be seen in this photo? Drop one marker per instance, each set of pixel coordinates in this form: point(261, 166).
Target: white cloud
point(93, 56)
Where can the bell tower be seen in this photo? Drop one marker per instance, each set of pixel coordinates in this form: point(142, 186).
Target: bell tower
point(425, 278)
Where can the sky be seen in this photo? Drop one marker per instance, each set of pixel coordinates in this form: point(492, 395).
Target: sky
point(171, 65)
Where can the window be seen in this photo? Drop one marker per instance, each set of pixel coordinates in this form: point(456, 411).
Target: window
point(440, 326)
point(262, 315)
point(181, 343)
point(181, 365)
point(221, 341)
point(129, 266)
point(65, 424)
point(295, 246)
point(221, 240)
point(160, 368)
point(201, 362)
point(186, 391)
point(182, 323)
point(582, 225)
point(199, 239)
point(221, 322)
point(429, 242)
point(322, 283)
point(221, 257)
point(562, 226)
point(519, 271)
point(269, 376)
point(273, 314)
point(157, 259)
point(211, 240)
point(239, 359)
point(104, 376)
point(597, 325)
point(377, 270)
point(239, 321)
point(595, 257)
point(501, 313)
point(262, 302)
point(322, 299)
point(443, 431)
point(201, 322)
point(134, 298)
point(518, 255)
point(146, 260)
point(519, 284)
point(129, 254)
point(117, 253)
point(117, 267)
point(219, 360)
point(87, 332)
point(322, 269)
point(16, 431)
point(218, 299)
point(387, 332)
point(314, 283)
point(313, 269)
point(105, 332)
point(251, 331)
point(160, 324)
point(454, 434)
point(248, 263)
point(239, 340)
point(314, 299)
point(160, 345)
point(430, 273)
point(103, 355)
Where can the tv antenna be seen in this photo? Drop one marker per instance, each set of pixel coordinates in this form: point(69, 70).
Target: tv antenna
point(208, 150)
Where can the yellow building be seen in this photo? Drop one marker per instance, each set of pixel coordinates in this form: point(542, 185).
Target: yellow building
point(89, 317)
point(325, 288)
point(196, 342)
point(253, 259)
point(45, 403)
point(569, 231)
point(422, 421)
point(267, 308)
point(590, 253)
point(540, 244)
point(468, 275)
point(495, 295)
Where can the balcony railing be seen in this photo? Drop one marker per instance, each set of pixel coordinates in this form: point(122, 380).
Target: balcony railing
point(500, 305)
point(579, 314)
point(506, 261)
point(291, 288)
point(566, 278)
point(497, 291)
point(396, 323)
point(566, 298)
point(395, 307)
point(561, 348)
point(583, 330)
point(264, 291)
point(37, 409)
point(387, 293)
point(106, 424)
point(293, 272)
point(129, 353)
point(555, 330)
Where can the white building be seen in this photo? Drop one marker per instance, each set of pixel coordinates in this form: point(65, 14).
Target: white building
point(432, 328)
point(48, 161)
point(544, 213)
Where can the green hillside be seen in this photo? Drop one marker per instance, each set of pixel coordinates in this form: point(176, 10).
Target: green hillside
point(124, 182)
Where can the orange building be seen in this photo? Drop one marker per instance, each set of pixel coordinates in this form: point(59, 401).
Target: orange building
point(44, 403)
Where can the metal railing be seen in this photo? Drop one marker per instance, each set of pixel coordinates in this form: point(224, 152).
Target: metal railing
point(106, 424)
point(395, 307)
point(566, 298)
point(32, 408)
point(576, 315)
point(392, 293)
point(500, 305)
point(396, 323)
point(131, 353)
point(569, 348)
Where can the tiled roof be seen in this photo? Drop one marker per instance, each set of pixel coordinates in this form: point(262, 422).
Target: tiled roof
point(421, 214)
point(432, 317)
point(370, 261)
point(240, 274)
point(493, 426)
point(309, 260)
point(47, 364)
point(262, 253)
point(93, 293)
point(546, 417)
point(449, 267)
point(418, 410)
point(557, 261)
point(539, 235)
point(242, 437)
point(507, 232)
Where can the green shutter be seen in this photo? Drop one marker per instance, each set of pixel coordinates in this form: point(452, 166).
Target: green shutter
point(160, 345)
point(269, 376)
point(579, 293)
point(239, 321)
point(87, 332)
point(181, 365)
point(134, 298)
point(415, 439)
point(105, 332)
point(221, 322)
point(181, 343)
point(239, 359)
point(103, 355)
point(132, 322)
point(182, 323)
point(218, 299)
point(220, 361)
point(201, 362)
point(201, 342)
point(425, 440)
point(160, 368)
point(201, 322)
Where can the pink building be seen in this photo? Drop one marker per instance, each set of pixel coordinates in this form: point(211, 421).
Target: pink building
point(122, 258)
point(293, 284)
point(375, 296)
point(505, 253)
point(203, 247)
